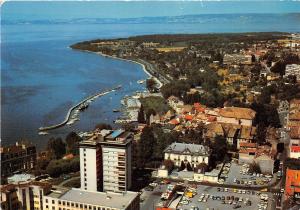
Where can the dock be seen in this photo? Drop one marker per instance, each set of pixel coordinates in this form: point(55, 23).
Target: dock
point(82, 103)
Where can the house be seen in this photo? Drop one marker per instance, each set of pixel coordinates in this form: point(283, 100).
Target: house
point(263, 156)
point(294, 148)
point(292, 182)
point(211, 176)
point(283, 112)
point(187, 155)
point(236, 115)
point(235, 59)
point(175, 103)
point(235, 134)
point(292, 69)
point(273, 137)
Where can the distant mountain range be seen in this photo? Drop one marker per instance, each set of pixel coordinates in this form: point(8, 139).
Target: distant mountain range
point(186, 19)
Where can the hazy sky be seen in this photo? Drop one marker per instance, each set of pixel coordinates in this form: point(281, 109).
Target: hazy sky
point(117, 9)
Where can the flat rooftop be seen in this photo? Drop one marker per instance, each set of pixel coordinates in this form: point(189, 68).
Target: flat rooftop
point(115, 137)
point(109, 199)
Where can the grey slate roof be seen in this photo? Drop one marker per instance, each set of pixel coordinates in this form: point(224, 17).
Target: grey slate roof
point(191, 149)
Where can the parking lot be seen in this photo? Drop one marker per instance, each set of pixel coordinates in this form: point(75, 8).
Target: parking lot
point(151, 195)
point(214, 198)
point(239, 175)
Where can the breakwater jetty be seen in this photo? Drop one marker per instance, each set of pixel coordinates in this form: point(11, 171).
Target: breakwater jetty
point(74, 110)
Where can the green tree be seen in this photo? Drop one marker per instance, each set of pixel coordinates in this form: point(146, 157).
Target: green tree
point(141, 115)
point(150, 84)
point(168, 164)
point(72, 141)
point(145, 147)
point(57, 147)
point(219, 149)
point(254, 168)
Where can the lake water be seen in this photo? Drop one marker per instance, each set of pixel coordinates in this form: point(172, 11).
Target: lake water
point(41, 77)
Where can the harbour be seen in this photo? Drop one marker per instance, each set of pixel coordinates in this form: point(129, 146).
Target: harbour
point(73, 113)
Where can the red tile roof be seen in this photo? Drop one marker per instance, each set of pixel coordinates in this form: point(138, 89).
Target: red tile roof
point(237, 112)
point(188, 117)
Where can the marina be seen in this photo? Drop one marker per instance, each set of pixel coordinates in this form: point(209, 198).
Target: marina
point(73, 113)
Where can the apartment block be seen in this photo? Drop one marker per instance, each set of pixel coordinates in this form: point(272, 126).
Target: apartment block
point(105, 161)
point(24, 196)
point(18, 157)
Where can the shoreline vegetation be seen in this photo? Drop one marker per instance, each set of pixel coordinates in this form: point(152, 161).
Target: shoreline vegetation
point(136, 49)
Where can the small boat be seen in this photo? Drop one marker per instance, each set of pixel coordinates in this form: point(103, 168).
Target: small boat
point(141, 81)
point(43, 133)
point(116, 110)
point(70, 122)
point(118, 87)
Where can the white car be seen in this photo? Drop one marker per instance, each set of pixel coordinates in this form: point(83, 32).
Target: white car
point(153, 184)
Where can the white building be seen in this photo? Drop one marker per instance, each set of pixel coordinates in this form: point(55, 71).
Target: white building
point(292, 69)
point(77, 199)
point(116, 155)
point(192, 154)
point(105, 161)
point(175, 103)
point(90, 165)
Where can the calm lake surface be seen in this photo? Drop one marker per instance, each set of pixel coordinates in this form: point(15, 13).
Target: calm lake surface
point(41, 77)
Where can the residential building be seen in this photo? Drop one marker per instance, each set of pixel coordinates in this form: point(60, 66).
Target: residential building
point(117, 158)
point(294, 147)
point(263, 156)
point(91, 165)
point(235, 59)
point(9, 198)
point(236, 115)
point(294, 113)
point(24, 196)
point(283, 112)
point(78, 199)
point(292, 182)
point(175, 103)
point(18, 157)
point(105, 161)
point(292, 69)
point(189, 155)
point(235, 134)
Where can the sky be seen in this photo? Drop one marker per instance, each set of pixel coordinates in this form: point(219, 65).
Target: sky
point(124, 9)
